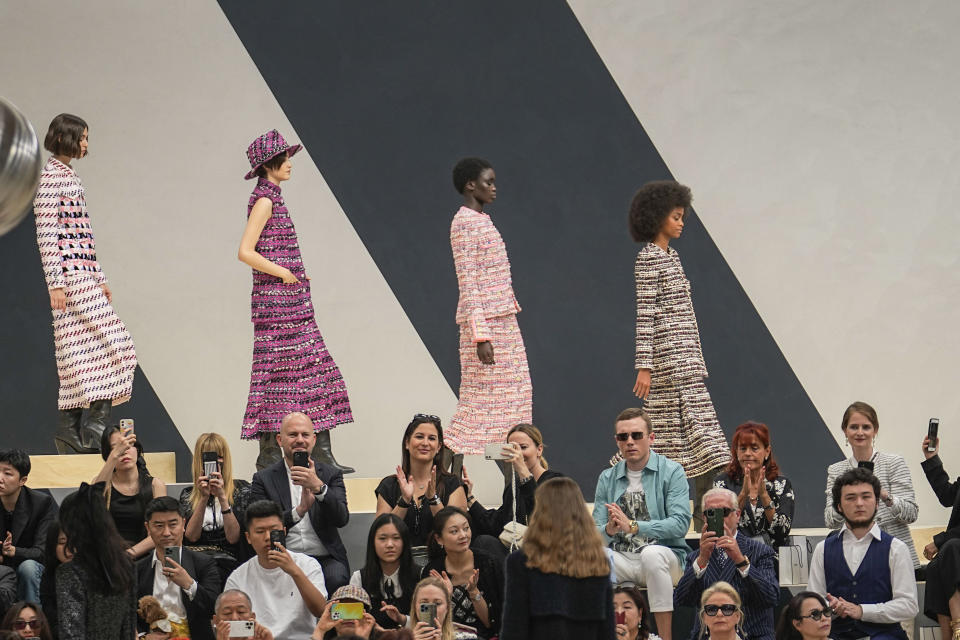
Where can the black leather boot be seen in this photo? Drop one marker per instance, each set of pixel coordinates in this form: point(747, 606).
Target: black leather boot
point(270, 452)
point(323, 452)
point(96, 423)
point(67, 437)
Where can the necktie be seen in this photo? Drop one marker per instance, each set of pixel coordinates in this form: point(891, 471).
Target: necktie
point(388, 589)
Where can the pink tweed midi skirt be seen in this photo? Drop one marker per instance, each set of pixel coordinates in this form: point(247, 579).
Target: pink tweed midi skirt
point(95, 356)
point(293, 371)
point(493, 398)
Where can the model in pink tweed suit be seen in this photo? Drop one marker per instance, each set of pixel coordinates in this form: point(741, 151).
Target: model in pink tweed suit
point(495, 388)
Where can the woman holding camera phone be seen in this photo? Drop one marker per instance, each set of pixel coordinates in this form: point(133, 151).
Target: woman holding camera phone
point(897, 508)
point(432, 595)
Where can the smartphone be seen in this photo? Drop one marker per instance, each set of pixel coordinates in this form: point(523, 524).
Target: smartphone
point(456, 466)
point(278, 537)
point(241, 628)
point(715, 521)
point(211, 463)
point(427, 612)
point(346, 611)
point(126, 425)
point(620, 617)
point(932, 429)
point(173, 553)
point(301, 459)
point(866, 464)
point(494, 451)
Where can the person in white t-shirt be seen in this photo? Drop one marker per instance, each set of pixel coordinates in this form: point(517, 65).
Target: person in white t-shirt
point(287, 587)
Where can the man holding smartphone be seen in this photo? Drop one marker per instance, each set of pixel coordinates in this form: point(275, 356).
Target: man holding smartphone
point(313, 498)
point(231, 610)
point(728, 555)
point(185, 582)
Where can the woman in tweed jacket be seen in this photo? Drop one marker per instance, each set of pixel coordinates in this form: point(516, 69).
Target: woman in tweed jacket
point(898, 505)
point(669, 359)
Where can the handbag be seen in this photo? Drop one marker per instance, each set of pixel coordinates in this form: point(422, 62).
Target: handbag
point(513, 531)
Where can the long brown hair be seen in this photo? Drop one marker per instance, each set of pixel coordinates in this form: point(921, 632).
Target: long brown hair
point(211, 442)
point(759, 431)
point(562, 537)
point(534, 435)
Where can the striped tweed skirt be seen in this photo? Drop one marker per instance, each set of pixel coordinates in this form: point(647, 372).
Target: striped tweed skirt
point(493, 398)
point(685, 424)
point(293, 371)
point(95, 355)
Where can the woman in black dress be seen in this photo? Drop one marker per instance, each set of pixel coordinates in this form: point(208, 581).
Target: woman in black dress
point(421, 487)
point(55, 554)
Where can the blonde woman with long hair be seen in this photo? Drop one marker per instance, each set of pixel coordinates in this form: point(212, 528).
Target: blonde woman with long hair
point(434, 591)
point(721, 612)
point(214, 505)
point(558, 585)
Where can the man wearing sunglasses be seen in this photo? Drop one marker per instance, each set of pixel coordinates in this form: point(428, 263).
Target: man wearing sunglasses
point(865, 574)
point(731, 557)
point(642, 508)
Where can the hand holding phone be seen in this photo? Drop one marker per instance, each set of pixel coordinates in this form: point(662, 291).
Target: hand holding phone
point(211, 463)
point(242, 628)
point(715, 521)
point(427, 613)
point(277, 539)
point(933, 429)
point(126, 426)
point(494, 452)
point(301, 459)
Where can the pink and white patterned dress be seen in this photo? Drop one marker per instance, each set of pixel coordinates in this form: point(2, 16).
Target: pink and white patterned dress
point(493, 398)
point(96, 359)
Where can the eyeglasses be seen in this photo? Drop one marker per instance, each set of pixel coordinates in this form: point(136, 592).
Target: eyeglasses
point(816, 614)
point(20, 625)
point(713, 513)
point(636, 435)
point(726, 609)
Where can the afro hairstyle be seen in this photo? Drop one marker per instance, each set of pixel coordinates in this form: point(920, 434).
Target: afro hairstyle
point(651, 205)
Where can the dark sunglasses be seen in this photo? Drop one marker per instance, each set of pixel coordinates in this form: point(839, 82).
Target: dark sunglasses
point(20, 625)
point(816, 614)
point(636, 435)
point(712, 513)
point(726, 609)
point(425, 416)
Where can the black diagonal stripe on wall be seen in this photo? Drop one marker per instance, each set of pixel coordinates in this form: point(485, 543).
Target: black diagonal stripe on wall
point(28, 375)
point(387, 96)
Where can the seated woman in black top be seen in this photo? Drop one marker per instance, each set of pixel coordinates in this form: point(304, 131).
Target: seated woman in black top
point(213, 507)
point(525, 448)
point(421, 487)
point(388, 576)
point(129, 487)
point(473, 578)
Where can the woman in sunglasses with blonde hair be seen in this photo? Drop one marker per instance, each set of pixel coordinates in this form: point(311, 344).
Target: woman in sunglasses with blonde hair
point(721, 615)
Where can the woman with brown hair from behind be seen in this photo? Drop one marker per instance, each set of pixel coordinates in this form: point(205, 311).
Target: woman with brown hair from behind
point(558, 584)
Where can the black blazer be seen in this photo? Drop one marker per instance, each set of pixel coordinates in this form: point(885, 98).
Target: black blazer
point(948, 493)
point(200, 609)
point(32, 516)
point(326, 515)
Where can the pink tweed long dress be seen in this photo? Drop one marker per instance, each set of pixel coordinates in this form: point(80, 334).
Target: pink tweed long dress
point(493, 398)
point(292, 369)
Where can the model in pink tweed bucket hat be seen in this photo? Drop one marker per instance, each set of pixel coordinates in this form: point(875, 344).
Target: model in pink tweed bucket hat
point(269, 145)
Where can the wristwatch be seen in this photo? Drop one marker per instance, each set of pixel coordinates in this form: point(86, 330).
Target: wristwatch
point(743, 563)
point(634, 526)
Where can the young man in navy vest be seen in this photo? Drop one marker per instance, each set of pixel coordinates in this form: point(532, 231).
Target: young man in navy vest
point(865, 574)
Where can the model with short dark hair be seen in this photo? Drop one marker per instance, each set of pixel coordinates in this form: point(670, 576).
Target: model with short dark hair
point(495, 388)
point(292, 368)
point(95, 354)
point(669, 359)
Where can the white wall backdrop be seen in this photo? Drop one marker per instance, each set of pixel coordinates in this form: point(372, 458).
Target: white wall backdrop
point(822, 143)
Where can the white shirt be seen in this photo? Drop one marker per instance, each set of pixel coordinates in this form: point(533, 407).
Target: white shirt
point(903, 606)
point(635, 480)
point(301, 536)
point(275, 597)
point(166, 590)
point(356, 581)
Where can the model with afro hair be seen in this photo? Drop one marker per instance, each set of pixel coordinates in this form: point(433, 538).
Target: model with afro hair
point(495, 392)
point(669, 359)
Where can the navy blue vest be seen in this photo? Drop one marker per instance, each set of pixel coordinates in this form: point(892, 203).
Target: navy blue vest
point(871, 584)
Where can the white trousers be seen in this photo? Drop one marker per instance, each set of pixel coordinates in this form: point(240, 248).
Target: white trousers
point(656, 567)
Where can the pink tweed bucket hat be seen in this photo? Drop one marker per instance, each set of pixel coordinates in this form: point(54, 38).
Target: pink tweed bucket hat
point(269, 145)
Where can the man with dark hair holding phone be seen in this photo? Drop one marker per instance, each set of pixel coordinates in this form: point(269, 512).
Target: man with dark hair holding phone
point(313, 498)
point(286, 587)
point(642, 508)
point(865, 574)
point(185, 582)
point(727, 555)
point(233, 605)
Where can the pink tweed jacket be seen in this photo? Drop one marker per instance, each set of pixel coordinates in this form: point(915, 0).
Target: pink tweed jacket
point(483, 272)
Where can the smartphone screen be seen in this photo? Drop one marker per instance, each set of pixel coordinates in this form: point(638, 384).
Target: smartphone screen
point(932, 430)
point(211, 463)
point(301, 459)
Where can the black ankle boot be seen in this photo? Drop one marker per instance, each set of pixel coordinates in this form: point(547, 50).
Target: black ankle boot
point(270, 452)
point(67, 437)
point(96, 423)
point(323, 452)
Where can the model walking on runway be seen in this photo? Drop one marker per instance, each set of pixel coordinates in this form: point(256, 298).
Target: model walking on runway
point(292, 369)
point(95, 354)
point(495, 389)
point(669, 359)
